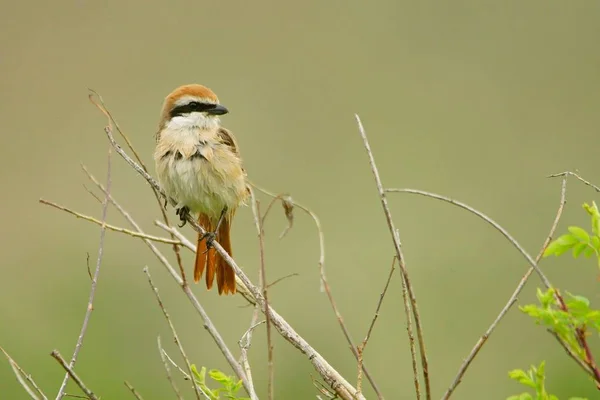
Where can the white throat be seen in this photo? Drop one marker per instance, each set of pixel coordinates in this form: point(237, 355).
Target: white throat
point(193, 120)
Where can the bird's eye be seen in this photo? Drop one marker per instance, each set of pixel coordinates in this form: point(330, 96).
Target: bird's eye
point(194, 105)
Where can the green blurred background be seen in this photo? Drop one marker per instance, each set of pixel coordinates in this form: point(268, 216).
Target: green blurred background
point(477, 100)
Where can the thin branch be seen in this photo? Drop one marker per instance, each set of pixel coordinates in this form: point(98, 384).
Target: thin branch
point(276, 281)
point(133, 391)
point(487, 219)
point(102, 107)
point(343, 388)
point(244, 344)
point(178, 235)
point(361, 348)
point(175, 336)
point(186, 376)
point(401, 261)
point(411, 336)
point(212, 330)
point(513, 298)
point(169, 376)
point(573, 174)
point(571, 354)
point(24, 378)
point(264, 287)
point(112, 227)
point(73, 375)
point(324, 283)
point(90, 305)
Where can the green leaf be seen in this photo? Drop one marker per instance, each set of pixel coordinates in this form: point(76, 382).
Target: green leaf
point(578, 248)
point(595, 214)
point(218, 376)
point(595, 242)
point(522, 396)
point(521, 376)
point(580, 234)
point(560, 245)
point(575, 300)
point(589, 251)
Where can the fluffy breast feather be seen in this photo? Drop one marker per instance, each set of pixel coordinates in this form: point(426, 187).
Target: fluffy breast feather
point(199, 171)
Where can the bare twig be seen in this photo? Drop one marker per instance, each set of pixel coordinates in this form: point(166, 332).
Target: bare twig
point(401, 261)
point(276, 281)
point(324, 283)
point(487, 219)
point(186, 376)
point(411, 337)
point(328, 373)
point(24, 378)
point(575, 175)
point(512, 300)
point(175, 336)
point(73, 375)
point(361, 348)
point(166, 364)
point(264, 287)
point(245, 341)
point(102, 107)
point(133, 391)
point(112, 227)
point(90, 305)
point(571, 354)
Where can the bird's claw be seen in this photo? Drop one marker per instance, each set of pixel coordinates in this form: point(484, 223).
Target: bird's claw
point(183, 212)
point(210, 238)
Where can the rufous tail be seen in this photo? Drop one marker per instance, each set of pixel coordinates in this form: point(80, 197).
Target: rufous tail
point(211, 260)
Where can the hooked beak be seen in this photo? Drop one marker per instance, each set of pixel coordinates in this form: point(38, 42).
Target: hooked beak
point(217, 110)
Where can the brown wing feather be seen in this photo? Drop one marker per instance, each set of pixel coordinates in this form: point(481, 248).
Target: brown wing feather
point(228, 139)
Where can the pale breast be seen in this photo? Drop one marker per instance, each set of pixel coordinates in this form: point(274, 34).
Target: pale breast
point(199, 171)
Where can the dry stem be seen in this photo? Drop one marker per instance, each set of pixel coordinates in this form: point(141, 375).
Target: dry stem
point(401, 261)
point(286, 199)
point(90, 305)
point(73, 375)
point(175, 336)
point(20, 374)
point(259, 221)
point(361, 348)
point(166, 364)
point(133, 391)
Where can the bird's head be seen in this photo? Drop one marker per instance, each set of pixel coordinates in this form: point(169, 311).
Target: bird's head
point(192, 106)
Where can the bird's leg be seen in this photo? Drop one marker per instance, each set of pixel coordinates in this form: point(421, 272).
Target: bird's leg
point(211, 236)
point(183, 212)
point(166, 202)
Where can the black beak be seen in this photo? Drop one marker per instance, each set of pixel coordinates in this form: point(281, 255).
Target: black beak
point(217, 110)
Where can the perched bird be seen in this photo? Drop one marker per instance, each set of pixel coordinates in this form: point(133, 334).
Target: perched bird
point(198, 164)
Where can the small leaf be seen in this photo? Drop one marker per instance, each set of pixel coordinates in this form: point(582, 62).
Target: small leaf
point(578, 248)
point(589, 251)
point(521, 376)
point(580, 234)
point(218, 376)
point(595, 242)
point(579, 299)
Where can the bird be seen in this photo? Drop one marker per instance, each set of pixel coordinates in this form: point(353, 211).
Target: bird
point(198, 164)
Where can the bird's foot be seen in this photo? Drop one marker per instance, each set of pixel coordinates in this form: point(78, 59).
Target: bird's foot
point(210, 238)
point(183, 213)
